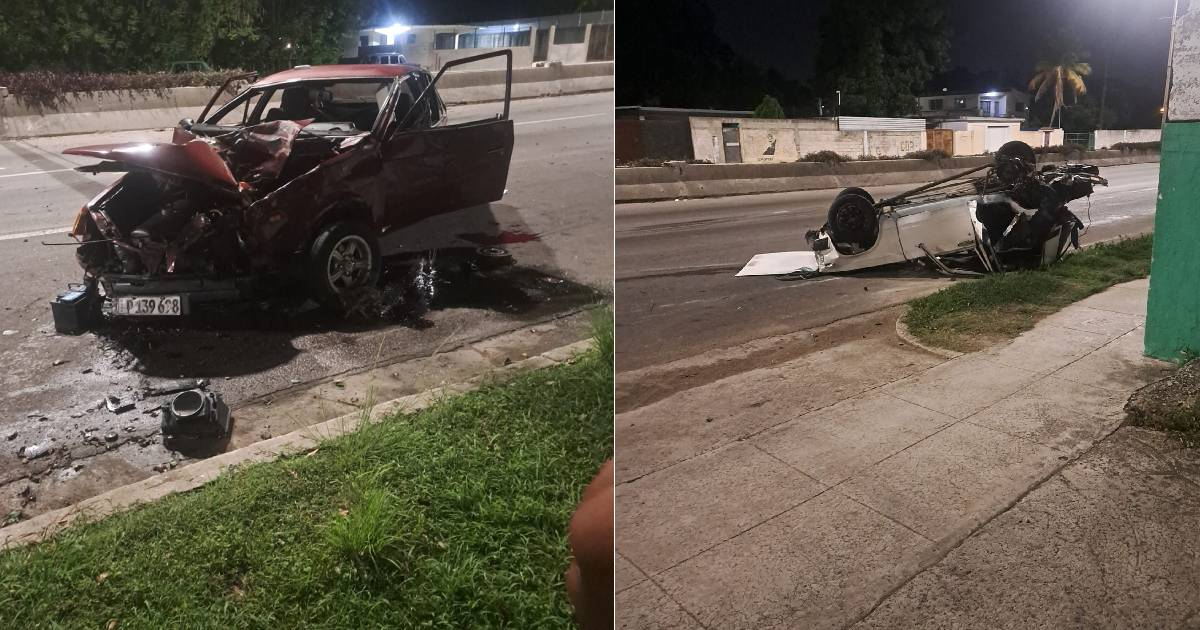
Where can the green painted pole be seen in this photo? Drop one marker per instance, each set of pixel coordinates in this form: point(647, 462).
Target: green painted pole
point(1173, 312)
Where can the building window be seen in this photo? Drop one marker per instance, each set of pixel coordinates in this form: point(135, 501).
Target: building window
point(493, 40)
point(935, 104)
point(412, 38)
point(363, 40)
point(443, 41)
point(570, 34)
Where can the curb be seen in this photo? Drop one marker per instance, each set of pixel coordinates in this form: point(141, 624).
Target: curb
point(904, 334)
point(907, 336)
point(193, 476)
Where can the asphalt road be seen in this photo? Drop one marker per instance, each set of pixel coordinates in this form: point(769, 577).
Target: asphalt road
point(677, 296)
point(559, 188)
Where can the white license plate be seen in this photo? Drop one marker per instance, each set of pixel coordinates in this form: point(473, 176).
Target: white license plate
point(148, 305)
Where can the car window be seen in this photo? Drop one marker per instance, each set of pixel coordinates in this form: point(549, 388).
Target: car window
point(238, 111)
point(431, 110)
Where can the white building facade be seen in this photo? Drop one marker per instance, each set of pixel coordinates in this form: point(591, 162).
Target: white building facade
point(568, 39)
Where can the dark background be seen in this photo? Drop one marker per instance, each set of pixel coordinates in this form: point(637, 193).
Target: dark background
point(993, 45)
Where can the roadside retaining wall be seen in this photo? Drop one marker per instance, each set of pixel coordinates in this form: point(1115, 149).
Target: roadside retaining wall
point(1105, 138)
point(128, 110)
point(688, 181)
point(786, 140)
point(103, 111)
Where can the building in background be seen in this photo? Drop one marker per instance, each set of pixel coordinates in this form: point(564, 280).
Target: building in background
point(993, 104)
point(569, 39)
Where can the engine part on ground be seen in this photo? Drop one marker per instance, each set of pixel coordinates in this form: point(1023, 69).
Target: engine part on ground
point(196, 414)
point(76, 310)
point(491, 257)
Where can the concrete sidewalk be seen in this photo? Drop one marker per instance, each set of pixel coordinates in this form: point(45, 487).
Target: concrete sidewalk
point(875, 483)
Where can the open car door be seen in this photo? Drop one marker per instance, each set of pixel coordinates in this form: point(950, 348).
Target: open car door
point(470, 157)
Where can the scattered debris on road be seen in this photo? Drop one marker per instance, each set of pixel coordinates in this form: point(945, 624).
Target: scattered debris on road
point(115, 405)
point(163, 388)
point(37, 450)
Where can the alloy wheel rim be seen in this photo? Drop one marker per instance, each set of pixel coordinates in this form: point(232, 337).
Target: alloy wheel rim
point(349, 263)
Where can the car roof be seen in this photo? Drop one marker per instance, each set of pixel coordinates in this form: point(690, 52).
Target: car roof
point(337, 72)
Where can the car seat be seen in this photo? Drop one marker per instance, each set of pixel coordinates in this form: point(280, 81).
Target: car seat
point(293, 105)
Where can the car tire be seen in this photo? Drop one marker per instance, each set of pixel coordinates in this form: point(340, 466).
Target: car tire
point(1017, 149)
point(854, 190)
point(853, 223)
point(343, 257)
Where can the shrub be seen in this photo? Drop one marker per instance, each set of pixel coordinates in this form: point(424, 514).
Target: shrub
point(1065, 149)
point(872, 158)
point(1125, 147)
point(46, 89)
point(769, 108)
point(927, 154)
point(826, 156)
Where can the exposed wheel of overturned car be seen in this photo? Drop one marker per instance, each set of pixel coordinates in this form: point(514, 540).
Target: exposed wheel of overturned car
point(343, 257)
point(853, 221)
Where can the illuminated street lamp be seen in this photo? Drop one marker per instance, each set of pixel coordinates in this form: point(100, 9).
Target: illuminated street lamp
point(392, 31)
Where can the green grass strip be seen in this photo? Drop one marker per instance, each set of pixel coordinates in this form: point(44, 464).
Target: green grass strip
point(453, 517)
point(972, 314)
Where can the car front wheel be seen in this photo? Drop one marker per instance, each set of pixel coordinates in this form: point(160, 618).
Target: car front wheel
point(344, 257)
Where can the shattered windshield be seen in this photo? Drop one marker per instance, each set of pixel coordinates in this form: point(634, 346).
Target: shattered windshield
point(334, 107)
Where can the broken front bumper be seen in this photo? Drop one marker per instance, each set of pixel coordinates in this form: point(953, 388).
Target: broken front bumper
point(192, 290)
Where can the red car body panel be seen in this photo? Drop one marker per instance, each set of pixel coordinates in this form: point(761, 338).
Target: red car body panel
point(194, 160)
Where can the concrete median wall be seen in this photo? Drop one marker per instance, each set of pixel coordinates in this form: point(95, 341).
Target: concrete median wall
point(550, 80)
point(689, 181)
point(1107, 137)
point(127, 110)
point(103, 111)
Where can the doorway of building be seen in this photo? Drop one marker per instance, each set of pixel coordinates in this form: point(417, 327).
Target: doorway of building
point(732, 138)
point(541, 46)
point(601, 44)
point(994, 137)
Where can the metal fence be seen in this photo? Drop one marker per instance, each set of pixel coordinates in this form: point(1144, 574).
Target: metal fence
point(1082, 139)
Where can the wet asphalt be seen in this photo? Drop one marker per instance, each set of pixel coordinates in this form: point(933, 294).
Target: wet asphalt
point(677, 296)
point(555, 220)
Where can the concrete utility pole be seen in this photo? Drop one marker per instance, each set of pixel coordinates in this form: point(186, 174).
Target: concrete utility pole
point(1173, 310)
point(1170, 62)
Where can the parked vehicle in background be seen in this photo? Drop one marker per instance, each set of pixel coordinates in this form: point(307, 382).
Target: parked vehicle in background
point(189, 66)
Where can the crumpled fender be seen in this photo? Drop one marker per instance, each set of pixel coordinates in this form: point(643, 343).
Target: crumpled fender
point(195, 160)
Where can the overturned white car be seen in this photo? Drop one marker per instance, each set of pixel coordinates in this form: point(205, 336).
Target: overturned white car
point(966, 224)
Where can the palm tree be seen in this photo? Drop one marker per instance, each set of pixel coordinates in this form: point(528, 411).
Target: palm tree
point(1053, 75)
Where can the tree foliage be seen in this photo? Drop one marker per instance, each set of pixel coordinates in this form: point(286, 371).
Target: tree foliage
point(880, 53)
point(142, 35)
point(769, 108)
point(1062, 74)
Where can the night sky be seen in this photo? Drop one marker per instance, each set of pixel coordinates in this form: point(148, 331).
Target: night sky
point(1133, 35)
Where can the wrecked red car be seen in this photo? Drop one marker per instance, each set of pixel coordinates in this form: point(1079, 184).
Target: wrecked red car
point(290, 183)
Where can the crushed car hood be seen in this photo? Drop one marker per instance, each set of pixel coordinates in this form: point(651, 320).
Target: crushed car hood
point(195, 160)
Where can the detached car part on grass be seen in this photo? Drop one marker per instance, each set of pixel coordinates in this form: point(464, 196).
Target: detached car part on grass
point(1012, 216)
point(290, 183)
